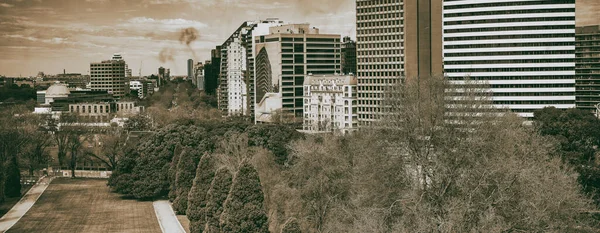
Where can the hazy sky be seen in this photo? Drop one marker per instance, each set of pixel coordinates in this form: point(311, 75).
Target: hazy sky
point(52, 35)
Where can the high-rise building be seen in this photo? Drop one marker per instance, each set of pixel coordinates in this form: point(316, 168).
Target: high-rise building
point(523, 50)
point(283, 58)
point(236, 82)
point(190, 69)
point(212, 69)
point(330, 104)
point(395, 39)
point(587, 83)
point(198, 78)
point(348, 56)
point(109, 76)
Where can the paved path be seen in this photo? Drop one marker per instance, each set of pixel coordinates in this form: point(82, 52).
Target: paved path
point(26, 202)
point(167, 218)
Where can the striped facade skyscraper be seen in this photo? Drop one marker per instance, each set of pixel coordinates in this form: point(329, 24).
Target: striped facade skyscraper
point(523, 49)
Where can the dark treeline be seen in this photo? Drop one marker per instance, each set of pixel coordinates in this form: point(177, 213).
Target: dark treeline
point(416, 171)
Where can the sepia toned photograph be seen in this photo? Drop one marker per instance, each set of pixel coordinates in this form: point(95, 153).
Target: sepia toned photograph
point(299, 116)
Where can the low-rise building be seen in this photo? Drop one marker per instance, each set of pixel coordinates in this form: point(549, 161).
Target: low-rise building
point(330, 104)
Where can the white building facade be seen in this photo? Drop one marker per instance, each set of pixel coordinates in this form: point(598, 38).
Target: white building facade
point(524, 51)
point(330, 104)
point(236, 86)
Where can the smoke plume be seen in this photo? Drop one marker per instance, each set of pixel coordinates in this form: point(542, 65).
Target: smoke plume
point(187, 36)
point(166, 55)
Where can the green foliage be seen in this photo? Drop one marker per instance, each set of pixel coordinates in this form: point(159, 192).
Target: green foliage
point(2, 183)
point(216, 196)
point(13, 180)
point(578, 134)
point(205, 173)
point(274, 138)
point(16, 93)
point(149, 177)
point(291, 226)
point(243, 209)
point(173, 175)
point(186, 172)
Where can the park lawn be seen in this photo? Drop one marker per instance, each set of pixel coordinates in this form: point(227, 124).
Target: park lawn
point(10, 202)
point(185, 222)
point(86, 205)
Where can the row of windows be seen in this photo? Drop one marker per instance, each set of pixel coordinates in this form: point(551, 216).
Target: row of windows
point(517, 69)
point(362, 3)
point(504, 37)
point(366, 33)
point(509, 53)
point(515, 61)
point(496, 4)
point(485, 78)
point(529, 85)
point(537, 102)
point(394, 20)
point(509, 45)
point(517, 28)
point(381, 74)
point(511, 20)
point(103, 109)
point(510, 12)
point(520, 94)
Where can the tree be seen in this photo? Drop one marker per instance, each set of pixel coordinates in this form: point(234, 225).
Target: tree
point(13, 179)
point(13, 138)
point(291, 226)
point(173, 173)
point(577, 133)
point(111, 149)
point(138, 123)
point(216, 196)
point(197, 196)
point(186, 171)
point(275, 138)
point(35, 154)
point(243, 209)
point(322, 174)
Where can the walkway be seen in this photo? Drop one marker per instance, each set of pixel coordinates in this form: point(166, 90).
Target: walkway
point(167, 218)
point(26, 202)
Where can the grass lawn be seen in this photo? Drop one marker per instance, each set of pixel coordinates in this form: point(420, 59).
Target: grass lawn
point(10, 202)
point(185, 222)
point(86, 205)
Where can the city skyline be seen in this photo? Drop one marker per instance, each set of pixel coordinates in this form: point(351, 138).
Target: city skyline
point(50, 36)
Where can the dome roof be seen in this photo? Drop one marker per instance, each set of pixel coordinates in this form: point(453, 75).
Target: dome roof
point(58, 90)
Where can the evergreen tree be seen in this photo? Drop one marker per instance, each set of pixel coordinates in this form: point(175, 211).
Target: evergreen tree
point(291, 226)
point(216, 196)
point(2, 182)
point(186, 171)
point(13, 179)
point(205, 173)
point(243, 209)
point(173, 174)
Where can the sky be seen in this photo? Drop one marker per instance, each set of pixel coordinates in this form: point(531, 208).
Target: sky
point(52, 35)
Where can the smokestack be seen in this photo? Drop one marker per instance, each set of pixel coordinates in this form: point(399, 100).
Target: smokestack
point(64, 71)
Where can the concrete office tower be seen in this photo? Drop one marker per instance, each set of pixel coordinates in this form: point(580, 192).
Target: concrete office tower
point(525, 50)
point(395, 39)
point(190, 69)
point(283, 59)
point(330, 104)
point(198, 79)
point(236, 81)
point(109, 76)
point(587, 83)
